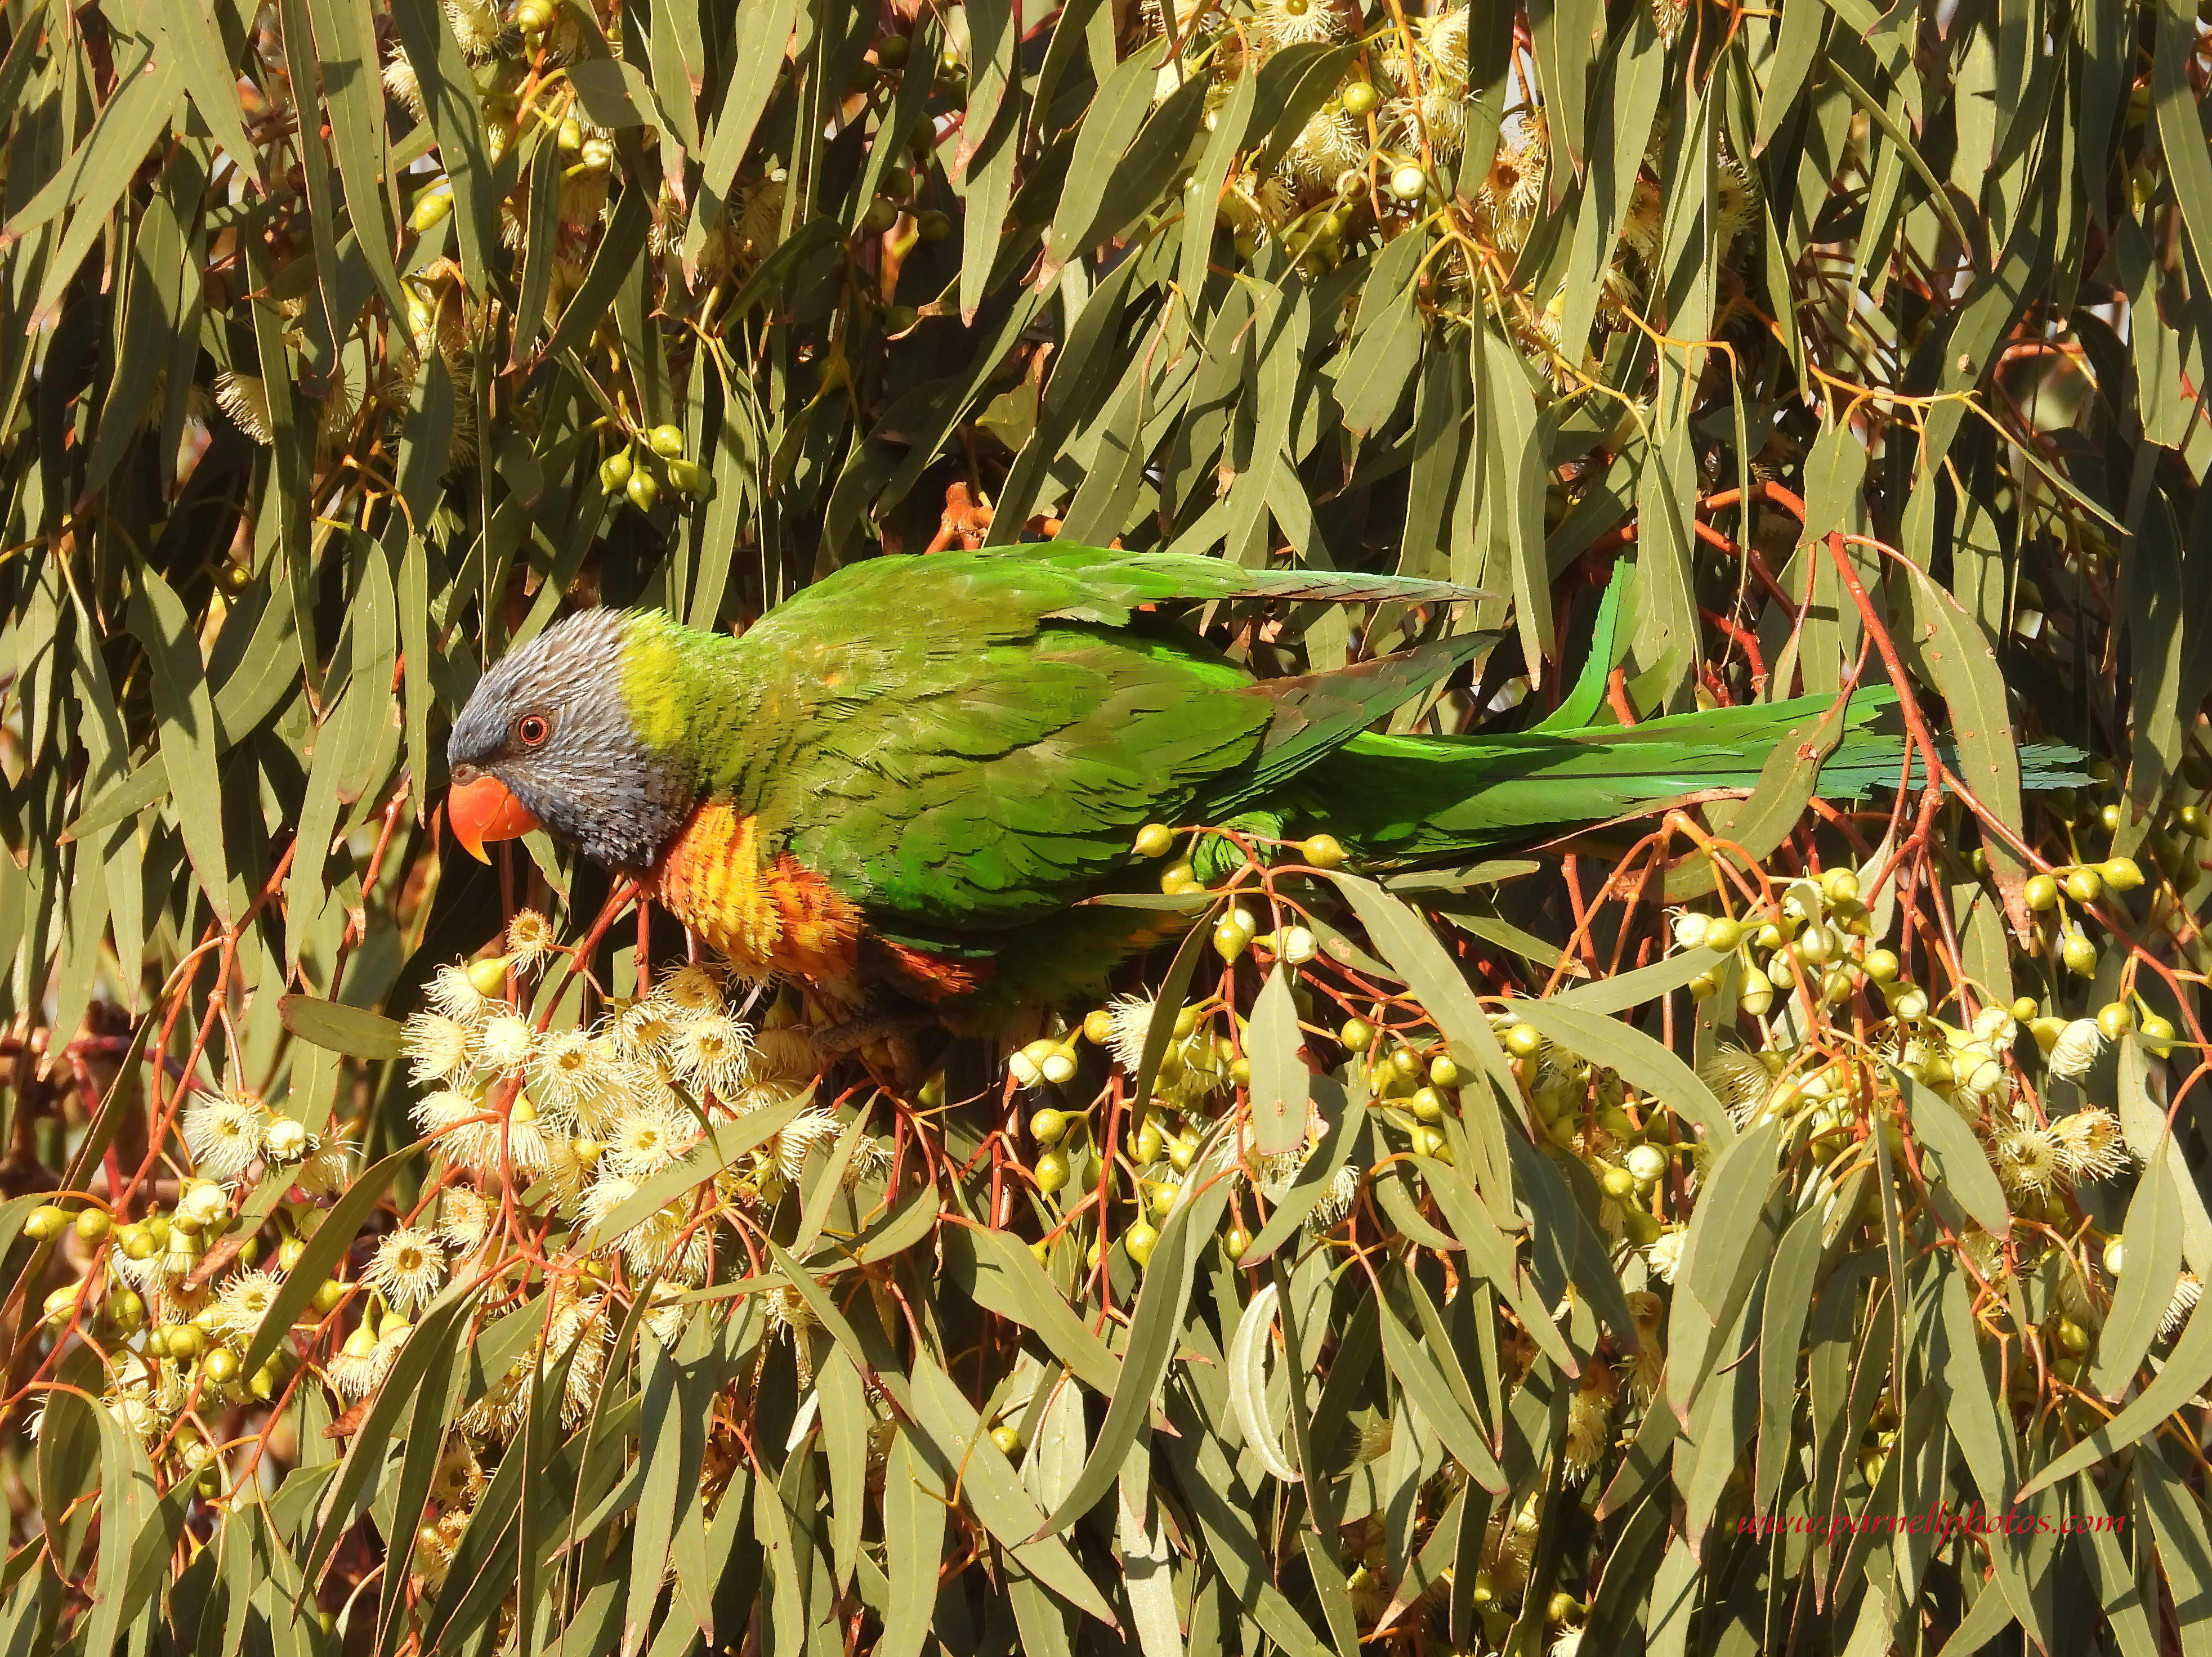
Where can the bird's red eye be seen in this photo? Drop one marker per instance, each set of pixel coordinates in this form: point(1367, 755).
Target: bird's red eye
point(531, 729)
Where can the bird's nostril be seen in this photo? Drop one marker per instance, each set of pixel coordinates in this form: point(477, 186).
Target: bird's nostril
point(463, 775)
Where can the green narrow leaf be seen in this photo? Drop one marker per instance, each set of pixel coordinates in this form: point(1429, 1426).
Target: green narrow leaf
point(128, 1505)
point(1155, 1325)
point(1513, 445)
point(352, 1030)
point(1202, 195)
point(1280, 1090)
point(670, 1473)
point(1939, 641)
point(1316, 1174)
point(1386, 340)
point(1010, 1282)
point(91, 183)
point(1957, 1155)
point(724, 1143)
point(845, 1423)
point(324, 1251)
point(353, 91)
point(1451, 1419)
point(994, 1489)
point(2153, 1266)
point(455, 106)
point(195, 38)
point(913, 1543)
point(188, 730)
point(1637, 1056)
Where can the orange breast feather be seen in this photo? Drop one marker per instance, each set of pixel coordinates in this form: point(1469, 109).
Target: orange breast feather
point(767, 914)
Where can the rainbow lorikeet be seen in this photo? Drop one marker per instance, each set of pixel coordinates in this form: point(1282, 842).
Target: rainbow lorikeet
point(907, 774)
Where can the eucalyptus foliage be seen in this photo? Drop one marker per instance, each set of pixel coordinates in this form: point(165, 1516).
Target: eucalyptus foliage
point(1602, 1247)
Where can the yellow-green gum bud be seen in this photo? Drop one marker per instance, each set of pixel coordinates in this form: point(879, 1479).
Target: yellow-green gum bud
point(1357, 1034)
point(1523, 1041)
point(431, 207)
point(1235, 1242)
point(1154, 839)
point(1139, 1240)
point(92, 1224)
point(641, 491)
point(1322, 850)
point(1442, 1071)
point(488, 976)
point(1723, 933)
point(1008, 1439)
point(43, 1222)
point(615, 471)
point(1428, 1105)
point(61, 1305)
point(1051, 1172)
point(2078, 953)
point(1149, 1143)
point(328, 1296)
point(2115, 1019)
point(2121, 874)
point(2084, 885)
point(2156, 1034)
point(1842, 885)
point(2040, 893)
point(1047, 1128)
point(666, 441)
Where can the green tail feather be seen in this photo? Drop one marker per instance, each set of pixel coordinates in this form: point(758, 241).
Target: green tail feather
point(1404, 797)
point(1399, 798)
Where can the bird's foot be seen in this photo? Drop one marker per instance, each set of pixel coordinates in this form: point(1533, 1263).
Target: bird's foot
point(867, 1029)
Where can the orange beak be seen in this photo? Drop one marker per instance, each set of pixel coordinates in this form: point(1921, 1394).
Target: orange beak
point(482, 810)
